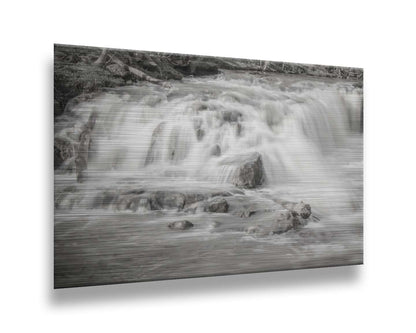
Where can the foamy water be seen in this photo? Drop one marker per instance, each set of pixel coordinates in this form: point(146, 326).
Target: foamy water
point(192, 136)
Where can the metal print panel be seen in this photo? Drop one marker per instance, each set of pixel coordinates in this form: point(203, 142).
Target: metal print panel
point(172, 166)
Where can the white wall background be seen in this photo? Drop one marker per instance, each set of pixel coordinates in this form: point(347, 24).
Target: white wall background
point(379, 36)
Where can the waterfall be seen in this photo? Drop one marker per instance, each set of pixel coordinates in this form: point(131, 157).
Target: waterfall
point(190, 129)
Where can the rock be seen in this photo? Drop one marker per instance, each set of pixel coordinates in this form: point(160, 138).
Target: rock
point(104, 200)
point(304, 210)
point(246, 213)
point(197, 207)
point(199, 68)
point(191, 198)
point(128, 202)
point(284, 222)
point(231, 115)
point(167, 200)
point(217, 205)
point(299, 209)
point(180, 225)
point(215, 150)
point(119, 70)
point(63, 150)
point(199, 131)
point(251, 173)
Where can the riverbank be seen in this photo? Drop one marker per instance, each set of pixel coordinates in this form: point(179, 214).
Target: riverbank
point(80, 72)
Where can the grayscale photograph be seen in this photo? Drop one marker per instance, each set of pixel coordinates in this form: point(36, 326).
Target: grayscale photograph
point(174, 166)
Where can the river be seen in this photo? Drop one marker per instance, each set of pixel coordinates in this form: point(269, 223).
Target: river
point(189, 137)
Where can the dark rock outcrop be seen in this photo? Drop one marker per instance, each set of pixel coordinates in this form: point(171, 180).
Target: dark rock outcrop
point(251, 172)
point(180, 225)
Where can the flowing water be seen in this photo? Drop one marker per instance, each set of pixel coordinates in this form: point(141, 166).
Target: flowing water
point(191, 136)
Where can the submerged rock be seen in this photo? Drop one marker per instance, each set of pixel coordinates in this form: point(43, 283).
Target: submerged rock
point(180, 225)
point(217, 205)
point(251, 173)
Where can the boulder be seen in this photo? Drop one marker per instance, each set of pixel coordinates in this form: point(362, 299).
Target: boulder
point(180, 225)
point(284, 221)
point(250, 174)
point(167, 200)
point(217, 205)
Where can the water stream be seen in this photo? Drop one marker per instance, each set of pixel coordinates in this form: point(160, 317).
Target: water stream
point(191, 136)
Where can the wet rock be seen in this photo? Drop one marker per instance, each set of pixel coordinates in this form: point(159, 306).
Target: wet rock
point(251, 173)
point(63, 150)
point(180, 225)
point(221, 194)
point(284, 222)
point(245, 213)
point(200, 133)
point(299, 209)
point(231, 115)
point(167, 200)
point(215, 150)
point(128, 202)
point(104, 200)
point(191, 198)
point(217, 205)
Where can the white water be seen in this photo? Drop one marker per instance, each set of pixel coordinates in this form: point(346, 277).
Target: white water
point(306, 130)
